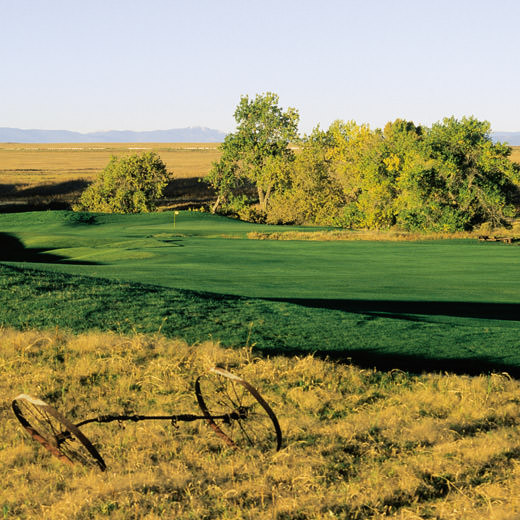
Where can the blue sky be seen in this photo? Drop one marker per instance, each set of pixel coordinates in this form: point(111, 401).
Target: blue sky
point(90, 65)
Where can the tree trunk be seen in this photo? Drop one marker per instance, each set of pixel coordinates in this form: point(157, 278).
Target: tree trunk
point(261, 197)
point(216, 205)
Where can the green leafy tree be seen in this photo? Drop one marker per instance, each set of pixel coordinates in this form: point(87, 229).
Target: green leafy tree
point(352, 159)
point(448, 178)
point(475, 176)
point(402, 160)
point(255, 153)
point(310, 192)
point(131, 184)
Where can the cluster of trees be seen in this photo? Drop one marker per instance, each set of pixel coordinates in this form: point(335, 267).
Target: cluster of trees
point(448, 177)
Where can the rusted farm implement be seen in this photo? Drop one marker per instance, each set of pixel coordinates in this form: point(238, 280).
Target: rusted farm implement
point(231, 406)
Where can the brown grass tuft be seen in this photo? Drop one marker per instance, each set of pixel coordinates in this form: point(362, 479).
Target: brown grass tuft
point(335, 235)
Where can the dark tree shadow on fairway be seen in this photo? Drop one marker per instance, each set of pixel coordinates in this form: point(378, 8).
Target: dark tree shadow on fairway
point(414, 310)
point(16, 198)
point(12, 249)
point(280, 329)
point(419, 311)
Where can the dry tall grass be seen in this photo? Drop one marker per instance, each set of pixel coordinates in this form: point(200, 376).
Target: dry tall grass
point(358, 443)
point(515, 154)
point(349, 235)
point(31, 164)
point(44, 175)
point(379, 235)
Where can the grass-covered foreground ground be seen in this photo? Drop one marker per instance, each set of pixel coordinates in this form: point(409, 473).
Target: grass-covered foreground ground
point(438, 304)
point(358, 443)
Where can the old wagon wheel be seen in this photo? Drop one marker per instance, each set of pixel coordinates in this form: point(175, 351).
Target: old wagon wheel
point(55, 433)
point(235, 410)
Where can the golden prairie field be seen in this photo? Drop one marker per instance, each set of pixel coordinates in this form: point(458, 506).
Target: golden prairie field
point(53, 176)
point(50, 163)
point(358, 443)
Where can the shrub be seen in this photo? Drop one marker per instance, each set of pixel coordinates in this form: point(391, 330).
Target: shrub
point(131, 184)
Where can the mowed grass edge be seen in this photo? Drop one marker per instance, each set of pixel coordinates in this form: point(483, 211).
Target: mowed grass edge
point(31, 298)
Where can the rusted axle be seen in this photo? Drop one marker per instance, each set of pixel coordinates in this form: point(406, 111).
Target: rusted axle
point(237, 415)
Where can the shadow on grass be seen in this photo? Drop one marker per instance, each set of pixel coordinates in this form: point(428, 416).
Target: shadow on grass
point(414, 310)
point(18, 198)
point(45, 190)
point(375, 359)
point(7, 189)
point(23, 206)
point(80, 303)
point(419, 311)
point(188, 187)
point(12, 249)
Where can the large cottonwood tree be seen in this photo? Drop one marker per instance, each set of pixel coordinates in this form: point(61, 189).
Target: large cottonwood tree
point(254, 152)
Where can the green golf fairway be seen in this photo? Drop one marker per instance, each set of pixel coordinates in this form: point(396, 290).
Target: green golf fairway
point(448, 304)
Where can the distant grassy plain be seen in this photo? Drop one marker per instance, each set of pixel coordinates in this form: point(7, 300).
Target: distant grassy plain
point(31, 164)
point(52, 176)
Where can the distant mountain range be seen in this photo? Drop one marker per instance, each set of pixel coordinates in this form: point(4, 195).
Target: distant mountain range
point(194, 134)
point(512, 138)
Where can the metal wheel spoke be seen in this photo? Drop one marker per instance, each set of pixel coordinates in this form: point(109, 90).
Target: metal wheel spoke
point(250, 419)
point(55, 433)
point(244, 432)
